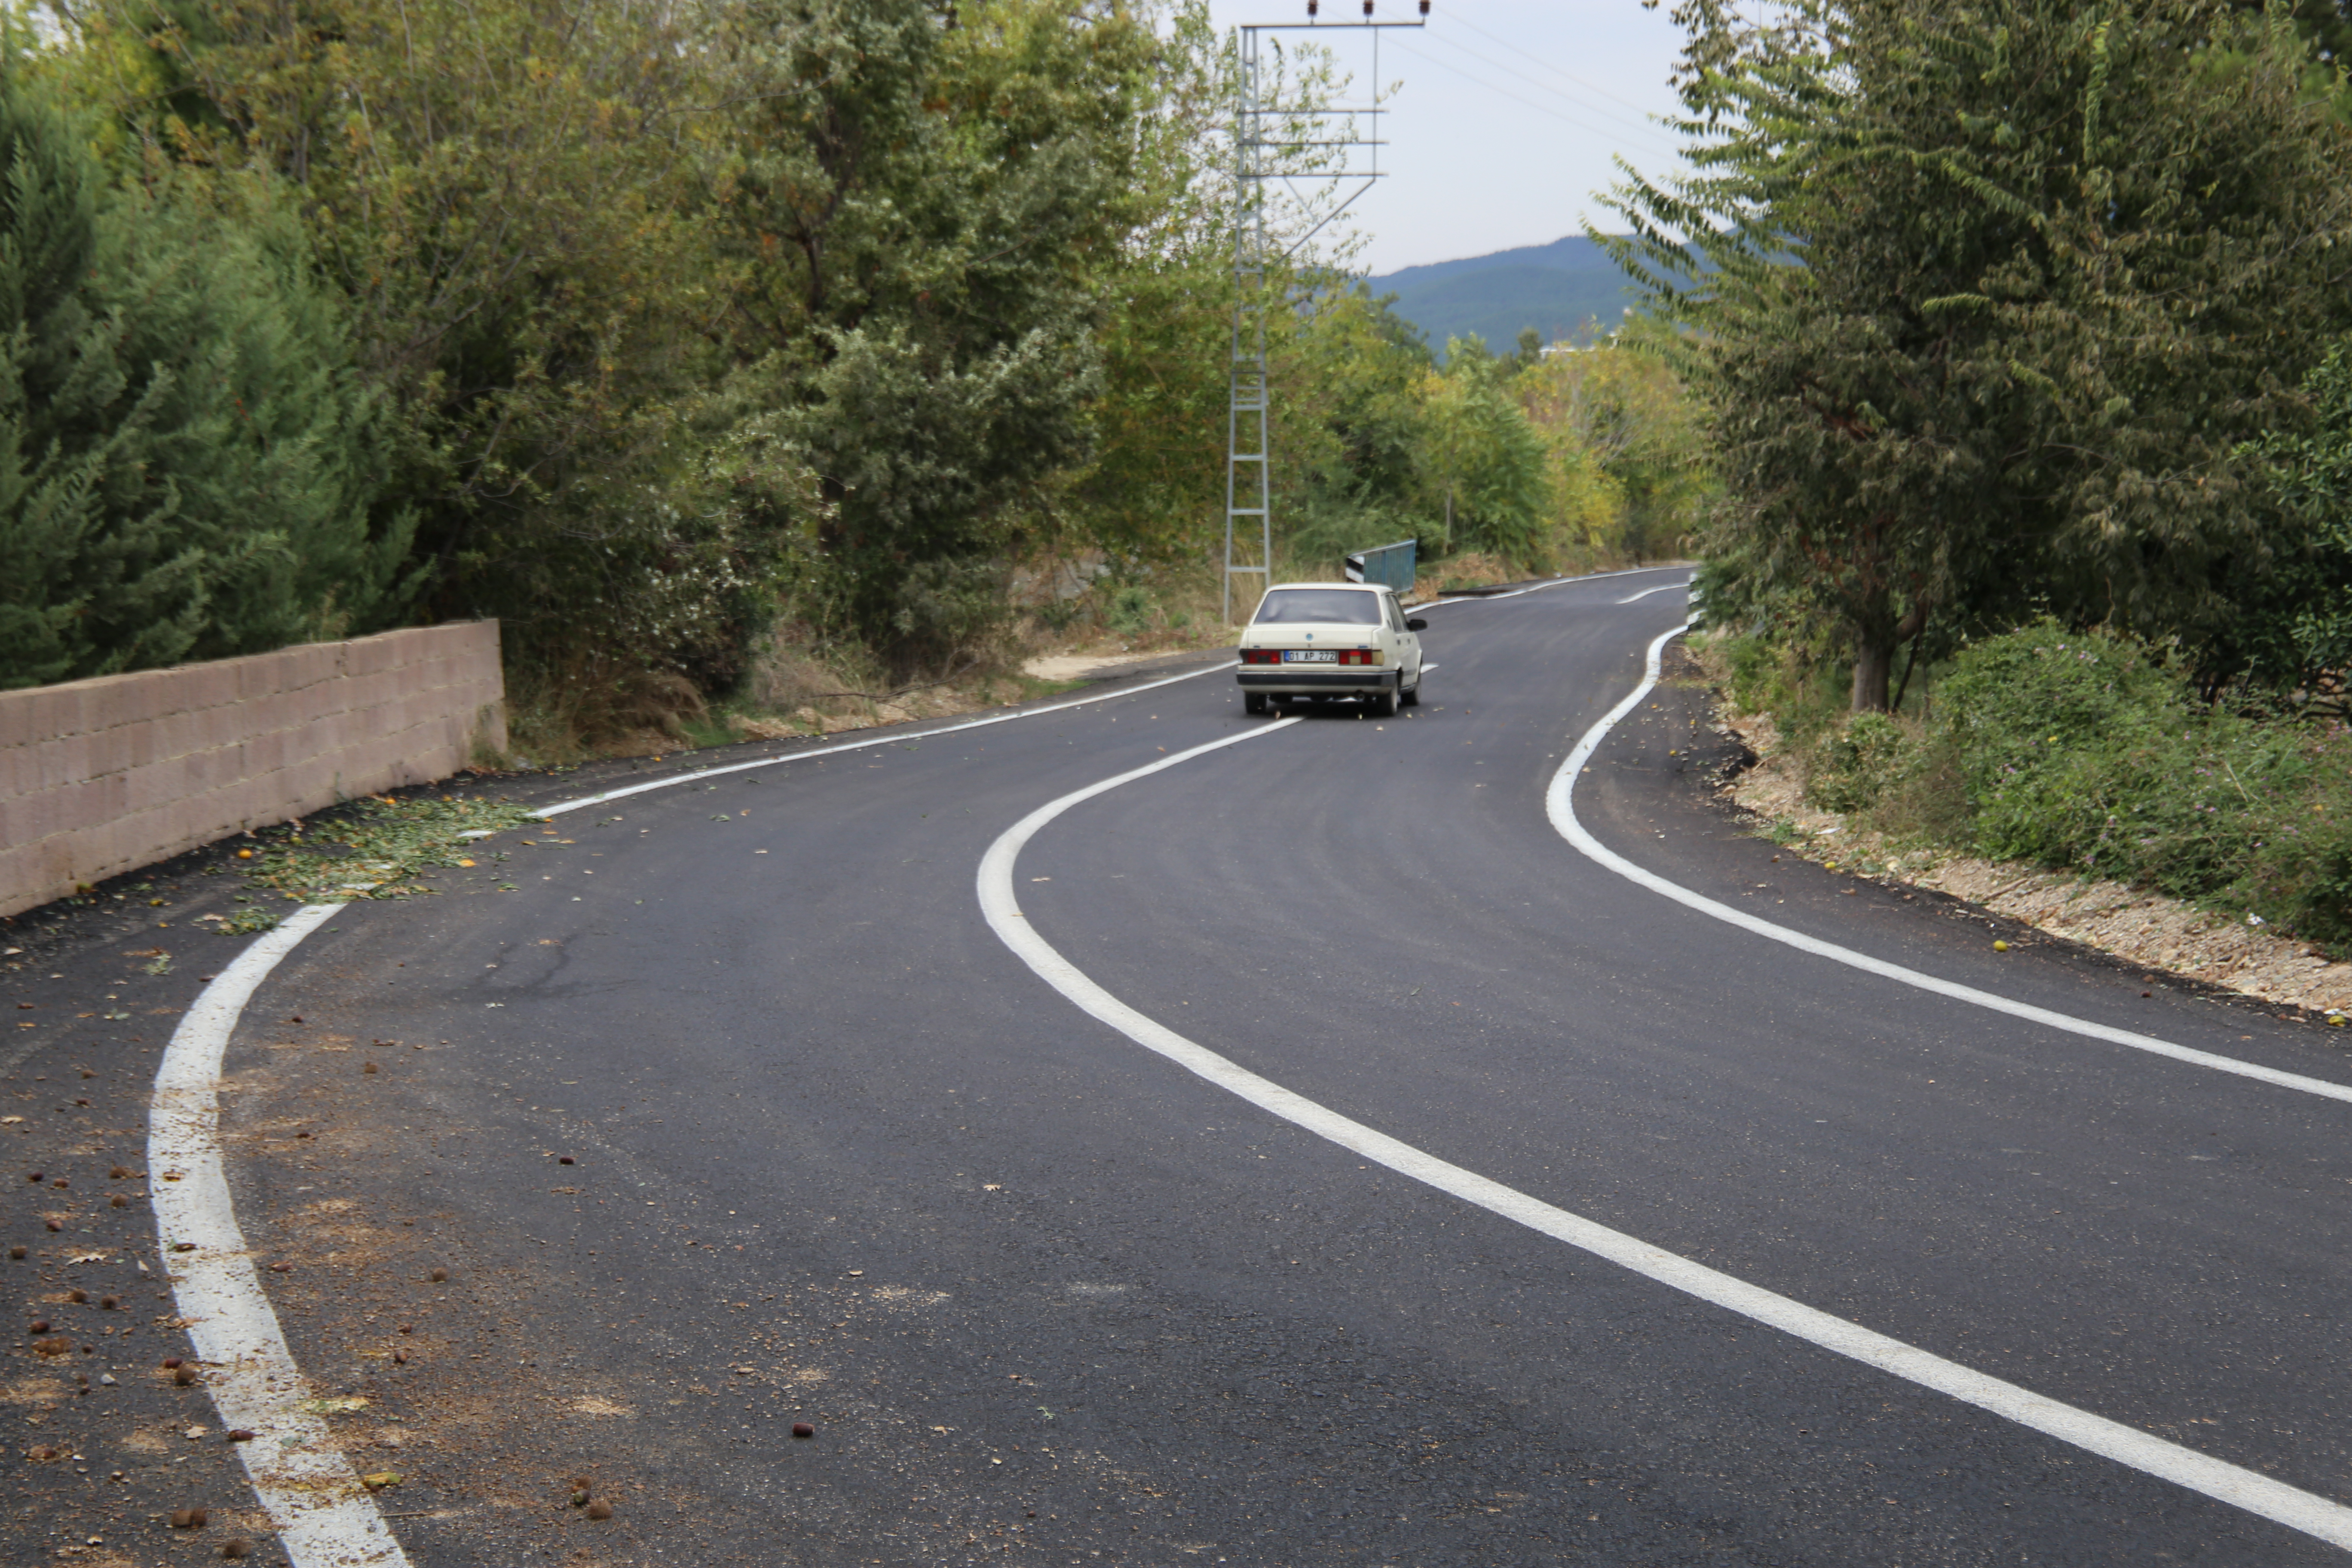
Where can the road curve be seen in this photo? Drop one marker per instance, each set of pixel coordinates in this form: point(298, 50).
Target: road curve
point(838, 1156)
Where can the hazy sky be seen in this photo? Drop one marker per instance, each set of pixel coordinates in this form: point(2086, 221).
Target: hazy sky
point(1507, 118)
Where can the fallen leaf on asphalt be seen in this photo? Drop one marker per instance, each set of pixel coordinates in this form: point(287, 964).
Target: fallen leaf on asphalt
point(57, 1346)
point(334, 1407)
point(368, 1067)
point(119, 1202)
point(38, 1326)
point(184, 1376)
point(119, 1173)
point(600, 1510)
point(236, 1547)
point(375, 1481)
point(77, 1296)
point(439, 1276)
point(188, 1518)
point(239, 1435)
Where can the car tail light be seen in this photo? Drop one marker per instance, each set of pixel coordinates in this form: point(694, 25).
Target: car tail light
point(1260, 656)
point(1359, 656)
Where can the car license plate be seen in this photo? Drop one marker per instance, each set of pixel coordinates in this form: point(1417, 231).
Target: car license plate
point(1310, 656)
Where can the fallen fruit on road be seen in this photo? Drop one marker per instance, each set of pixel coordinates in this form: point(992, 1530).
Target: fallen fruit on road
point(600, 1511)
point(2000, 947)
point(376, 1480)
point(802, 1429)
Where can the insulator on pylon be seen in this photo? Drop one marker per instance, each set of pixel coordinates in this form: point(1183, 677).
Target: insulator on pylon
point(1424, 7)
point(1368, 10)
point(1310, 10)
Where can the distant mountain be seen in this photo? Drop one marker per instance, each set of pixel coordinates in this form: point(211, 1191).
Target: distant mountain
point(1556, 288)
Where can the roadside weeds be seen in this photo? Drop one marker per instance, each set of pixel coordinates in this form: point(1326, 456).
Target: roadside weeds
point(2133, 923)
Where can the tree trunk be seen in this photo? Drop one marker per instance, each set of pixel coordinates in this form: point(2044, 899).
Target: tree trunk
point(1874, 663)
point(1875, 647)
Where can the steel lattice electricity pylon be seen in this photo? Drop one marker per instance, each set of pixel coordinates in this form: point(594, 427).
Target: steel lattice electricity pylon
point(1260, 149)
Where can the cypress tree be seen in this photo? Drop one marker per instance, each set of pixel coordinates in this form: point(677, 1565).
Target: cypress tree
point(187, 461)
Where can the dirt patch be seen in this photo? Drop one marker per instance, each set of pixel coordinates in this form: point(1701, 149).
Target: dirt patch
point(2133, 923)
point(1079, 666)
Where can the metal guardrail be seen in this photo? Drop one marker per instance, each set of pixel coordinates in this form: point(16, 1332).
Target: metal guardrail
point(1391, 563)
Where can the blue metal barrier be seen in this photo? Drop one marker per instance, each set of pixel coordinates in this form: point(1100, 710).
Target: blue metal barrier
point(1391, 563)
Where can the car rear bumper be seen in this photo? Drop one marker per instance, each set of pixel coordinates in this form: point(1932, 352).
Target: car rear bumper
point(1281, 682)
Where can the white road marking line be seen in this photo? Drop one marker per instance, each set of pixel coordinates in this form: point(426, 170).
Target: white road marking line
point(325, 1519)
point(2248, 1490)
point(900, 735)
point(1664, 588)
point(1560, 803)
point(896, 737)
point(1544, 587)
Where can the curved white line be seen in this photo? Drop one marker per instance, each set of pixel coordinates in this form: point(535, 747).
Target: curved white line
point(325, 1519)
point(2248, 1490)
point(1559, 803)
point(897, 737)
point(1661, 588)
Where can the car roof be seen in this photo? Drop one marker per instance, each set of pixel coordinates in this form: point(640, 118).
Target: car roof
point(1358, 587)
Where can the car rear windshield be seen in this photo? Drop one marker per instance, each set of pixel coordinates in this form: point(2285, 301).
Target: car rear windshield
point(1328, 606)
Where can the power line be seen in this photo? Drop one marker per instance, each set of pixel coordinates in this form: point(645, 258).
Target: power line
point(1565, 76)
point(1515, 97)
point(1645, 125)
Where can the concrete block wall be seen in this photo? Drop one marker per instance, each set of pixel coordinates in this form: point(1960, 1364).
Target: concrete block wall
point(98, 777)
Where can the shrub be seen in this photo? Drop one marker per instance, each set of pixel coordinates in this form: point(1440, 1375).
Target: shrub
point(1129, 614)
point(1855, 766)
point(2079, 750)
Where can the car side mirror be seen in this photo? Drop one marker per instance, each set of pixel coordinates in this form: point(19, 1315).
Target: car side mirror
point(1416, 625)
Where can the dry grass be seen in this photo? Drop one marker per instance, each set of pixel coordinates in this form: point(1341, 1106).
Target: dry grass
point(1062, 608)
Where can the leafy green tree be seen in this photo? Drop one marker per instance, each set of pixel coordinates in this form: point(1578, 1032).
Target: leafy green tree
point(189, 466)
point(498, 192)
point(1483, 461)
point(1617, 413)
point(2297, 632)
point(1984, 300)
point(917, 220)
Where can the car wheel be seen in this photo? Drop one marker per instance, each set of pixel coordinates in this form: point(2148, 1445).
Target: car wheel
point(1383, 705)
point(1253, 702)
point(1409, 696)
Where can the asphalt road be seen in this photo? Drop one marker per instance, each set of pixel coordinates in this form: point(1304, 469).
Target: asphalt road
point(838, 1156)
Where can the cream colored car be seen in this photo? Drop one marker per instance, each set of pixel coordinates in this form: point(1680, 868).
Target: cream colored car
point(1332, 639)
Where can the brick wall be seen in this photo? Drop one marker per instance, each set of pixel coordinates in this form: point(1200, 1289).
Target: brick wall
point(98, 777)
